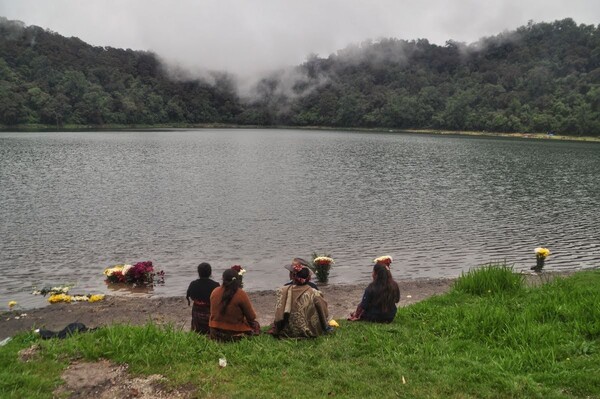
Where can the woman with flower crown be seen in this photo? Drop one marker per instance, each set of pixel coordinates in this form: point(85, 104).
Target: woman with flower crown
point(301, 311)
point(232, 316)
point(379, 300)
point(199, 292)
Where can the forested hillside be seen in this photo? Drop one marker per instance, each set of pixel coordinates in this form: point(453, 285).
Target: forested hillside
point(541, 77)
point(47, 78)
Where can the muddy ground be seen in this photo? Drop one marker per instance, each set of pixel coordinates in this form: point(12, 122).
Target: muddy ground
point(342, 299)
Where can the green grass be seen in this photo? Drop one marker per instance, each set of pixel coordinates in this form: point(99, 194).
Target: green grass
point(510, 342)
point(491, 278)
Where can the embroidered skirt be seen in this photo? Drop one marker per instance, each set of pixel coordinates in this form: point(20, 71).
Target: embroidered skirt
point(200, 317)
point(229, 336)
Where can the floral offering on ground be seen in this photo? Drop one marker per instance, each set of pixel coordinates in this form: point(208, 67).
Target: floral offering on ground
point(61, 294)
point(56, 298)
point(54, 290)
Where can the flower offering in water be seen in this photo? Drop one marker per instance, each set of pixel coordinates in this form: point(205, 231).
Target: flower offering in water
point(323, 260)
point(321, 265)
point(542, 252)
point(142, 273)
point(540, 255)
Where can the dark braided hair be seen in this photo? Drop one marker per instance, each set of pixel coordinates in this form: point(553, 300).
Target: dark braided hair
point(231, 283)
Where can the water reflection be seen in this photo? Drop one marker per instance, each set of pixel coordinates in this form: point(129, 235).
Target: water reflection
point(129, 290)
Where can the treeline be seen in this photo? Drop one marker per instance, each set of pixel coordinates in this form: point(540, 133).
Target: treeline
point(542, 77)
point(49, 79)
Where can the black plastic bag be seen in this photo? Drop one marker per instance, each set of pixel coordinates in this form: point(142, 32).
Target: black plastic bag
point(65, 332)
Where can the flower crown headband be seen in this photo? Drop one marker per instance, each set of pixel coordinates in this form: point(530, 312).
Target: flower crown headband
point(240, 271)
point(298, 267)
point(386, 259)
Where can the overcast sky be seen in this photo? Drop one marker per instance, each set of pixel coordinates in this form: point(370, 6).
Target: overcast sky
point(248, 36)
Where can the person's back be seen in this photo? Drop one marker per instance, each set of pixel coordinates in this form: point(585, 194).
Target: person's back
point(199, 292)
point(301, 311)
point(233, 316)
point(380, 308)
point(379, 300)
point(231, 313)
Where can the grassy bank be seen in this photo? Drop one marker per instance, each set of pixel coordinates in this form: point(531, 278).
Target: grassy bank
point(490, 337)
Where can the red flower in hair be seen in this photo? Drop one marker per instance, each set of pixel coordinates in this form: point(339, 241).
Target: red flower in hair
point(298, 267)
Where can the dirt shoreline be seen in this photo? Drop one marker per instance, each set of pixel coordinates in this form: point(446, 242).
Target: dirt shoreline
point(341, 299)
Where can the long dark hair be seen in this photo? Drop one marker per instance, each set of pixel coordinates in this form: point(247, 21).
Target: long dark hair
point(384, 289)
point(231, 283)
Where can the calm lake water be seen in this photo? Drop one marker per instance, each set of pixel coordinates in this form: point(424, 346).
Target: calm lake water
point(72, 204)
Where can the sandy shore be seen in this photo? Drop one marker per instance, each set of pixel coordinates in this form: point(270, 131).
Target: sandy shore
point(342, 299)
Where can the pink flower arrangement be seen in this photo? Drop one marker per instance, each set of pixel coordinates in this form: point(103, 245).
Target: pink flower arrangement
point(142, 273)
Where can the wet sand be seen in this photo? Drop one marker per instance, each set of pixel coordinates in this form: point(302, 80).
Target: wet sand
point(341, 299)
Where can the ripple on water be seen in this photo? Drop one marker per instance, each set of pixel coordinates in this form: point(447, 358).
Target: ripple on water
point(74, 203)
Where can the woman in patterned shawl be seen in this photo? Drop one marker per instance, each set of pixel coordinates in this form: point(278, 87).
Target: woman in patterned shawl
point(301, 310)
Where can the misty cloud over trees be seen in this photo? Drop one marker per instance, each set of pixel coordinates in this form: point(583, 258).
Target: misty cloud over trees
point(541, 77)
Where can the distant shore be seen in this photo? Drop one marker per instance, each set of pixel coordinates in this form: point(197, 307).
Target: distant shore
point(77, 128)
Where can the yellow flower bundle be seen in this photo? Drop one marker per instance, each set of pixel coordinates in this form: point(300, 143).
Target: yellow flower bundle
point(117, 268)
point(56, 298)
point(96, 298)
point(542, 252)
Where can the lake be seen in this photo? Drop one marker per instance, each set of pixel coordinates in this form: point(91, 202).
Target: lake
point(73, 203)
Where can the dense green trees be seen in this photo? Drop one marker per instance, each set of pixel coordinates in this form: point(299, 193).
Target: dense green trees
point(49, 79)
point(541, 77)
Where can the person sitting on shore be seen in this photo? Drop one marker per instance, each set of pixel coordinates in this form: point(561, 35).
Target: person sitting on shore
point(295, 263)
point(232, 316)
point(380, 297)
point(301, 311)
point(199, 292)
